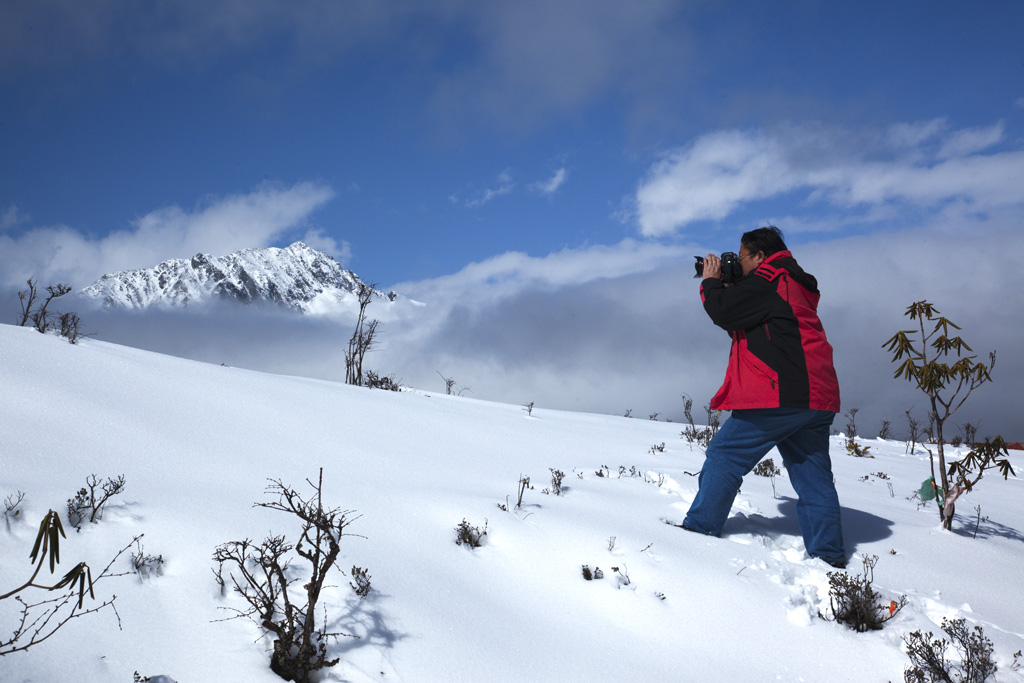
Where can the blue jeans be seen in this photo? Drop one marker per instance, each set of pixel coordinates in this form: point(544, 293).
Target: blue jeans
point(802, 439)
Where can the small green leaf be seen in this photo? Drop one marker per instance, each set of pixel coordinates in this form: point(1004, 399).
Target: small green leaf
point(1006, 469)
point(81, 590)
point(40, 538)
point(56, 522)
point(54, 547)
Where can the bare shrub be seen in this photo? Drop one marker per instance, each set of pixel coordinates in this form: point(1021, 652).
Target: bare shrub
point(928, 657)
point(969, 433)
point(703, 436)
point(68, 324)
point(146, 566)
point(855, 603)
point(375, 381)
point(263, 575)
point(914, 431)
point(767, 468)
point(360, 581)
point(11, 511)
point(468, 535)
point(556, 480)
point(89, 501)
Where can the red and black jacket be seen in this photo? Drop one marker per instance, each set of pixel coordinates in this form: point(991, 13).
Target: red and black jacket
point(780, 357)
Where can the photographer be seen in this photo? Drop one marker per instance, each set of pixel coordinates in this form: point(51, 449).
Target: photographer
point(780, 386)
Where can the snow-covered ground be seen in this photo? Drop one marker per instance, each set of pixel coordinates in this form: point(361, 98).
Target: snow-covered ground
point(197, 444)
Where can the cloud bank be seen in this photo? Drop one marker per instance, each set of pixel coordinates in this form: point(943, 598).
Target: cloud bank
point(512, 64)
point(919, 167)
point(217, 225)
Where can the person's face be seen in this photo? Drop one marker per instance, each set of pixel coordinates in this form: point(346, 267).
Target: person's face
point(748, 261)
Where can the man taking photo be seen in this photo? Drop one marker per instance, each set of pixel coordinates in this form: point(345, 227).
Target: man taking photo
point(781, 387)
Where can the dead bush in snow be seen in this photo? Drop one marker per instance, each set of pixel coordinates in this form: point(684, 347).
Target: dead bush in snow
point(89, 501)
point(468, 535)
point(375, 381)
point(263, 575)
point(11, 511)
point(767, 468)
point(855, 602)
point(928, 657)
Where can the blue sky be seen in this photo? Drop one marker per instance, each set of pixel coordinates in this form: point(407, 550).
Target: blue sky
point(496, 147)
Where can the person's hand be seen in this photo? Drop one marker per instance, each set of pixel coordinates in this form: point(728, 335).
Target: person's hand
point(712, 267)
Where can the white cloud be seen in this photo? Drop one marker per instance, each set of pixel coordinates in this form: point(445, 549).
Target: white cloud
point(513, 272)
point(317, 239)
point(709, 179)
point(911, 135)
point(720, 172)
point(505, 186)
point(216, 226)
point(551, 185)
point(12, 217)
point(971, 140)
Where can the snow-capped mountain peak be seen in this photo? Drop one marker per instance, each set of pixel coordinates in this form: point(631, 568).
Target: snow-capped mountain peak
point(296, 277)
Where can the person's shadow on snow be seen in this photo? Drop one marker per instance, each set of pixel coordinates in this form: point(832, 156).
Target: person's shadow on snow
point(858, 526)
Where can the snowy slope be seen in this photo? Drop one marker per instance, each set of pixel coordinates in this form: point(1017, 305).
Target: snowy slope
point(296, 277)
point(197, 443)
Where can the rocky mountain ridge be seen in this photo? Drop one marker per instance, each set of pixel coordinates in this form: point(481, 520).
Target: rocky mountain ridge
point(296, 277)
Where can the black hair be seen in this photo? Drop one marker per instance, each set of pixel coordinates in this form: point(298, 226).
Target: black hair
point(767, 239)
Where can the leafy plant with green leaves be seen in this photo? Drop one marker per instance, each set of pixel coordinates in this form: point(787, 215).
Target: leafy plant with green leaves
point(934, 360)
point(992, 454)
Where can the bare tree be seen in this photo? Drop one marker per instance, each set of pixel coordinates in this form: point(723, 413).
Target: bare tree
point(362, 337)
point(42, 318)
point(914, 429)
point(28, 300)
point(448, 383)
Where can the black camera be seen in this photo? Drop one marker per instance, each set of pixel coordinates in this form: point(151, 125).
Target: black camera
point(732, 271)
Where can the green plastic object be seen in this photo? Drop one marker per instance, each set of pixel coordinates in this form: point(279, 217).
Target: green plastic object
point(929, 490)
